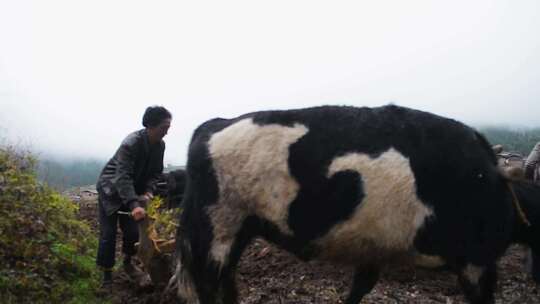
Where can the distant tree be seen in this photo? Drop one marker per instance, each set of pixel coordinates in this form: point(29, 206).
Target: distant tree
point(56, 173)
point(517, 140)
point(64, 175)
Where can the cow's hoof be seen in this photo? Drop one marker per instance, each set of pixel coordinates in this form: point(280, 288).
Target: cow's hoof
point(144, 282)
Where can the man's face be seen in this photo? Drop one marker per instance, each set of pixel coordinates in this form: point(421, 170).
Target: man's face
point(161, 130)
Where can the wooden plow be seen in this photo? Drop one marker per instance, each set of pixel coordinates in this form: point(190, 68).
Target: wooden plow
point(155, 253)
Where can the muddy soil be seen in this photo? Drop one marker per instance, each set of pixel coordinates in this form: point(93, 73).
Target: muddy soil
point(267, 274)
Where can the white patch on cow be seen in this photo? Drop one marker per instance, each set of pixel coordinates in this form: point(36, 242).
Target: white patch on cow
point(244, 156)
point(473, 273)
point(388, 217)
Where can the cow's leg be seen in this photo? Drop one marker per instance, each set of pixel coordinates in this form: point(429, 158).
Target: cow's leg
point(535, 268)
point(532, 264)
point(232, 251)
point(479, 282)
point(197, 273)
point(364, 280)
point(184, 279)
point(189, 276)
point(230, 233)
point(205, 274)
point(227, 290)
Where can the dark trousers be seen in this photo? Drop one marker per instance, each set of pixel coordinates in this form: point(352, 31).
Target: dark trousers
point(108, 227)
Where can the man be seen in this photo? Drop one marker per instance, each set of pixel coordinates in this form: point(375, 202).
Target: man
point(125, 185)
point(532, 164)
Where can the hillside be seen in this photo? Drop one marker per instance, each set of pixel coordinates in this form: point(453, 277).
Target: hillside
point(46, 252)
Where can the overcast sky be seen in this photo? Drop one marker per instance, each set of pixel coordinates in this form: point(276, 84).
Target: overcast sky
point(76, 76)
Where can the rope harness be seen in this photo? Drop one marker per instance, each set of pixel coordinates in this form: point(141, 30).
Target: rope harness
point(520, 211)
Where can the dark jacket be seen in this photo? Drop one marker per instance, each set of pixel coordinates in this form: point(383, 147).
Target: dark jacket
point(132, 171)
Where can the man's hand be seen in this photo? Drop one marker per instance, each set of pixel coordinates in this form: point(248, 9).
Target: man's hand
point(138, 213)
point(144, 199)
point(149, 196)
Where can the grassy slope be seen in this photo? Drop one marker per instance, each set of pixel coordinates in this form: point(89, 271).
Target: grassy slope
point(46, 254)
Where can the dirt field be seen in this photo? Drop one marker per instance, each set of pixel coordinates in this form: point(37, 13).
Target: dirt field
point(267, 274)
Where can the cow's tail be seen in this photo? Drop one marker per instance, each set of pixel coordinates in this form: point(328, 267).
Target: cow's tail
point(182, 282)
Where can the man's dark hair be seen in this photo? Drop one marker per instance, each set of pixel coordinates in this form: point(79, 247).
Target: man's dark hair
point(154, 115)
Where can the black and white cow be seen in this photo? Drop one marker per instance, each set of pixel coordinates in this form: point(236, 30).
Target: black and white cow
point(361, 186)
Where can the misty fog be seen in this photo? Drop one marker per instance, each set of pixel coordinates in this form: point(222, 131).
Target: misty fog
point(76, 76)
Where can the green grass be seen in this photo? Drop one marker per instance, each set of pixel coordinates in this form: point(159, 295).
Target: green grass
point(46, 254)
